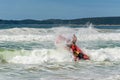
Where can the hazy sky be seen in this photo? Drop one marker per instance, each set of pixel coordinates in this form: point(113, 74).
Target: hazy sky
point(58, 9)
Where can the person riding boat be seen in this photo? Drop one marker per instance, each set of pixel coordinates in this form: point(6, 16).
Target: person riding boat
point(77, 52)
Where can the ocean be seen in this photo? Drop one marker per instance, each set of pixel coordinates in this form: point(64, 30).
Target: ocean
point(30, 52)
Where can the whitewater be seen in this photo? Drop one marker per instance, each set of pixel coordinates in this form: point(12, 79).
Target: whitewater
point(34, 54)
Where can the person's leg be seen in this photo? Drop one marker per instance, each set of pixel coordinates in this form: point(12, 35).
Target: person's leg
point(75, 58)
point(80, 56)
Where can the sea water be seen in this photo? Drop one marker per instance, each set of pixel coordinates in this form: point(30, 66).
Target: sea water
point(33, 54)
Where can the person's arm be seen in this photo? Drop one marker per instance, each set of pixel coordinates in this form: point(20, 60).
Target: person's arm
point(74, 38)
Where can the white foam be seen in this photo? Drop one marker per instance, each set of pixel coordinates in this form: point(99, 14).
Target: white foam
point(32, 34)
point(48, 55)
point(59, 55)
point(42, 56)
point(106, 54)
point(112, 77)
point(100, 36)
point(26, 38)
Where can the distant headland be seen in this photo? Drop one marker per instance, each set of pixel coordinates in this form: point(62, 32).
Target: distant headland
point(80, 21)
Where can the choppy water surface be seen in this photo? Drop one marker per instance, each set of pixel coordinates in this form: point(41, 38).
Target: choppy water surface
point(33, 54)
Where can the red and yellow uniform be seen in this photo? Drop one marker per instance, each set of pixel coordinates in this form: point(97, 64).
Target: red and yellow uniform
point(78, 54)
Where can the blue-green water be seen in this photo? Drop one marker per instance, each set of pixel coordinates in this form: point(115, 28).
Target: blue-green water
point(31, 52)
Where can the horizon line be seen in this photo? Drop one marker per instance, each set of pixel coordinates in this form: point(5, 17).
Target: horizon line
point(59, 18)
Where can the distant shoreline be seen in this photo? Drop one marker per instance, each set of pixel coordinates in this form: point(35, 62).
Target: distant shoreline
point(106, 25)
point(61, 24)
point(96, 21)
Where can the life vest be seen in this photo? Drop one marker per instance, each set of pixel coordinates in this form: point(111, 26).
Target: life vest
point(76, 48)
point(76, 51)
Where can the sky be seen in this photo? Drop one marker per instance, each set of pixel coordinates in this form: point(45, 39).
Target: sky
point(57, 9)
